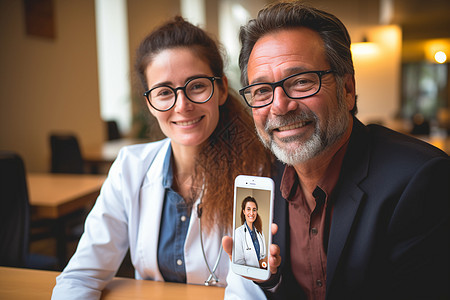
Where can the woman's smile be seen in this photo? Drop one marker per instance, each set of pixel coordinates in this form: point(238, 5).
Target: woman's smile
point(188, 122)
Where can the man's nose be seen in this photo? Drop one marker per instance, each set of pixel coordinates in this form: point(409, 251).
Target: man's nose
point(282, 104)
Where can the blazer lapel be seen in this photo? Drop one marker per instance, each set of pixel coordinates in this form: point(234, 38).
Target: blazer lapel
point(344, 213)
point(348, 196)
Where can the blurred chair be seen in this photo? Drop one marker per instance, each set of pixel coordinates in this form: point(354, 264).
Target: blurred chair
point(66, 154)
point(15, 217)
point(421, 126)
point(67, 158)
point(112, 130)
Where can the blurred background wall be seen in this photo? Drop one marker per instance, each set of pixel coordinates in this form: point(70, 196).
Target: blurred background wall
point(49, 77)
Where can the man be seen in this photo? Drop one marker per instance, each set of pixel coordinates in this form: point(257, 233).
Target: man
point(365, 213)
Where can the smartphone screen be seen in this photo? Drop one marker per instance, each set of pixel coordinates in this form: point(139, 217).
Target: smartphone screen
point(253, 202)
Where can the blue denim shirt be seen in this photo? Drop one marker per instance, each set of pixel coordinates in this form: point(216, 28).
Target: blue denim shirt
point(173, 230)
point(254, 240)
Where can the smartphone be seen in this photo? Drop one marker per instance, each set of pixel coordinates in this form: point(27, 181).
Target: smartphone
point(252, 222)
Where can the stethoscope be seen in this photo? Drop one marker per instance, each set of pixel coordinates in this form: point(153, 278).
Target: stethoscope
point(245, 238)
point(212, 278)
point(264, 264)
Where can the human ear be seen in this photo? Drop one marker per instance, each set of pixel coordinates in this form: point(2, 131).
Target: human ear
point(223, 89)
point(349, 91)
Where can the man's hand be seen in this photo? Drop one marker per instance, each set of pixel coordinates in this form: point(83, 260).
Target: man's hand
point(274, 251)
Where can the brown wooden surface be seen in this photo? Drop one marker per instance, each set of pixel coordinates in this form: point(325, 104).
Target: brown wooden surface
point(55, 195)
point(107, 151)
point(25, 284)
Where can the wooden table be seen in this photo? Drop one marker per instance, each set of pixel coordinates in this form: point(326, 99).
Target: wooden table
point(107, 151)
point(98, 158)
point(442, 143)
point(56, 196)
point(25, 284)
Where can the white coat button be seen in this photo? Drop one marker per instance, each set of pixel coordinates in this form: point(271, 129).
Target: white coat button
point(179, 262)
point(183, 218)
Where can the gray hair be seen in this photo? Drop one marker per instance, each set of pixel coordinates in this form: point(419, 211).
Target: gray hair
point(286, 15)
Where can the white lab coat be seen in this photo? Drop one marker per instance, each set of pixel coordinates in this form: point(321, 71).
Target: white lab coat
point(126, 214)
point(245, 250)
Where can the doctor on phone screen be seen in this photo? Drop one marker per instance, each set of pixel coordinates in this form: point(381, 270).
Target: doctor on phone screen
point(249, 239)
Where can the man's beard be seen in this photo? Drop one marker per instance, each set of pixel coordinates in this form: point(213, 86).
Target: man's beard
point(289, 150)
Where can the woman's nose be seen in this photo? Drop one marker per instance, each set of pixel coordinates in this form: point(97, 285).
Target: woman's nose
point(182, 102)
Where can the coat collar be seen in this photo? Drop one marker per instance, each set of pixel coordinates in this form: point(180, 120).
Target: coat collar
point(348, 196)
point(151, 199)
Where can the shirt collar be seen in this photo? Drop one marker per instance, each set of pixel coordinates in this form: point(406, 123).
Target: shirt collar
point(246, 225)
point(289, 181)
point(328, 182)
point(167, 169)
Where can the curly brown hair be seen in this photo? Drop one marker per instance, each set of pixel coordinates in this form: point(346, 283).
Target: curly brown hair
point(233, 148)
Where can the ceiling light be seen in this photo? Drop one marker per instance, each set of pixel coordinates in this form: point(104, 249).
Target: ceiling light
point(364, 48)
point(440, 57)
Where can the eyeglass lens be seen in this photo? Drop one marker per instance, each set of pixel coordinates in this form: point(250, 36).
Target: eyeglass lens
point(198, 90)
point(297, 86)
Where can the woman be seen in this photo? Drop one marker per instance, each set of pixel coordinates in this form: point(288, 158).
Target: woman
point(249, 238)
point(170, 202)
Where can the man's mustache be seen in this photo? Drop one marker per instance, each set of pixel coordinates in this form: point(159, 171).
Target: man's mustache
point(289, 118)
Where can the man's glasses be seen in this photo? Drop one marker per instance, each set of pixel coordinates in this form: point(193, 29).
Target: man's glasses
point(197, 90)
point(297, 86)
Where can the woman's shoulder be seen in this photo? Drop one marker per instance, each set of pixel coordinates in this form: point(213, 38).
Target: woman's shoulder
point(136, 159)
point(241, 228)
point(144, 151)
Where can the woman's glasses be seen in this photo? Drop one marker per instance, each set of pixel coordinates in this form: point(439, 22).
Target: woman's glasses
point(197, 90)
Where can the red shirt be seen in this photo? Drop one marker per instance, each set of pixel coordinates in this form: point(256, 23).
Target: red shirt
point(309, 229)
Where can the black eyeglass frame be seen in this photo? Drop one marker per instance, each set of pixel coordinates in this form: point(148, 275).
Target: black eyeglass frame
point(183, 88)
point(280, 83)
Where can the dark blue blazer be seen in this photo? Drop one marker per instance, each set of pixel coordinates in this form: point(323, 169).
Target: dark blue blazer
point(389, 236)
